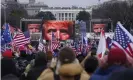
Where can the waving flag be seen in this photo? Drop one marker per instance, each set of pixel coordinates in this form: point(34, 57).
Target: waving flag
point(2, 39)
point(6, 36)
point(102, 45)
point(40, 46)
point(20, 40)
point(54, 42)
point(27, 35)
point(123, 39)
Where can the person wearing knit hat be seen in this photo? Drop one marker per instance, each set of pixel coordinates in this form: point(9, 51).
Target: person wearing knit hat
point(21, 48)
point(7, 54)
point(67, 67)
point(115, 62)
point(116, 56)
point(66, 55)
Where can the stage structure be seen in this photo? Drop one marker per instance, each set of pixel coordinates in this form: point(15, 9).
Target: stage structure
point(29, 24)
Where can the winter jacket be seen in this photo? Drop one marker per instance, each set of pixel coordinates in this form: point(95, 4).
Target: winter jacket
point(35, 72)
point(65, 70)
point(103, 74)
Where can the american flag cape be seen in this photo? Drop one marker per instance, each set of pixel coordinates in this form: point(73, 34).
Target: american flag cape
point(123, 39)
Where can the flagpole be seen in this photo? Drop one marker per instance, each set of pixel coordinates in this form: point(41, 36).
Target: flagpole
point(51, 41)
point(82, 42)
point(5, 11)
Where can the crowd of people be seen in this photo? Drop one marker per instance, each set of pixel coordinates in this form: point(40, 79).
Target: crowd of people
point(40, 65)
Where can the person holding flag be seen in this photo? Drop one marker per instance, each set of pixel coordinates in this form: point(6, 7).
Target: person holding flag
point(119, 54)
point(124, 40)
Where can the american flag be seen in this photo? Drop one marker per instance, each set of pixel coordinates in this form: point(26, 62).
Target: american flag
point(73, 48)
point(3, 48)
point(55, 45)
point(79, 48)
point(6, 36)
point(20, 40)
point(123, 39)
point(40, 46)
point(54, 42)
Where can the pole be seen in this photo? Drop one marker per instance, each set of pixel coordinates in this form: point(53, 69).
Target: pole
point(4, 12)
point(112, 26)
point(90, 25)
point(20, 24)
point(90, 19)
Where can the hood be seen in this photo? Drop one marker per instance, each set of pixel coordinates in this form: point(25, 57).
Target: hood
point(70, 69)
point(58, 65)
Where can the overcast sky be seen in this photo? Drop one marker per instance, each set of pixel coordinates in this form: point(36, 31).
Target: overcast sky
point(68, 3)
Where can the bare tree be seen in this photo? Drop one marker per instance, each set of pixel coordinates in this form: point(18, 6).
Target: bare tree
point(116, 11)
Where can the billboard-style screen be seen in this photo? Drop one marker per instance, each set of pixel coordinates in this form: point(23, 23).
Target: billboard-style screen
point(98, 27)
point(62, 30)
point(34, 28)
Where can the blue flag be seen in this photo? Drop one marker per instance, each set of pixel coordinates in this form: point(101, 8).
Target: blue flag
point(27, 34)
point(7, 35)
point(2, 39)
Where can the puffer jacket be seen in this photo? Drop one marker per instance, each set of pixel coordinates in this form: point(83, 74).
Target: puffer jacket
point(104, 74)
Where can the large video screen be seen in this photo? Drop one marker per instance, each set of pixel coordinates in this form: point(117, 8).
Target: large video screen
point(98, 27)
point(62, 30)
point(34, 27)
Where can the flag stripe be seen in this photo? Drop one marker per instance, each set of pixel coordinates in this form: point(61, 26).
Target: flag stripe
point(20, 39)
point(123, 39)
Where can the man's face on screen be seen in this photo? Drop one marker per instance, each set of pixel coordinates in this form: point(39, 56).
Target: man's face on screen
point(33, 28)
point(60, 30)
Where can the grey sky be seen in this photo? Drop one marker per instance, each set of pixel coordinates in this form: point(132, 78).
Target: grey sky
point(68, 3)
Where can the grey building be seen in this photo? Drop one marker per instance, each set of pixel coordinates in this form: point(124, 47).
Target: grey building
point(61, 13)
point(4, 1)
point(33, 9)
point(65, 13)
point(32, 1)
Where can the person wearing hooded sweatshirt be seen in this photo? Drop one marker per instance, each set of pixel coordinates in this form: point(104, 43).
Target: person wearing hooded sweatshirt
point(38, 67)
point(114, 62)
point(67, 67)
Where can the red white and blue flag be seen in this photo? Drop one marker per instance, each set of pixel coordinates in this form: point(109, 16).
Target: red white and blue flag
point(54, 43)
point(20, 40)
point(123, 39)
point(40, 46)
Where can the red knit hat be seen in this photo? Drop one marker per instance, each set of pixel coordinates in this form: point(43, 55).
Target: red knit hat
point(21, 48)
point(116, 55)
point(7, 53)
